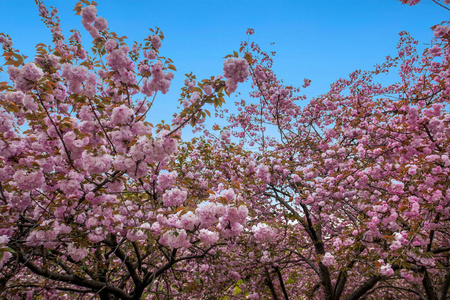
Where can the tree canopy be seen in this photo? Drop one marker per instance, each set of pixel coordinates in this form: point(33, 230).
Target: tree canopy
point(344, 196)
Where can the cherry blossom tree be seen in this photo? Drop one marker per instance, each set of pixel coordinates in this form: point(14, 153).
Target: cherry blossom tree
point(343, 197)
point(349, 193)
point(90, 201)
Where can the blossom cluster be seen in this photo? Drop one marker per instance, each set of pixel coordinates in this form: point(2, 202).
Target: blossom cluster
point(159, 81)
point(92, 23)
point(235, 70)
point(26, 77)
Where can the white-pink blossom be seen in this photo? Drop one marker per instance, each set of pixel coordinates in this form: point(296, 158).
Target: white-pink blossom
point(121, 115)
point(208, 237)
point(175, 239)
point(263, 232)
point(76, 253)
point(328, 259)
point(174, 197)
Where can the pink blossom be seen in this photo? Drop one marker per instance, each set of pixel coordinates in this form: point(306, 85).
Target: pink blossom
point(174, 197)
point(155, 41)
point(6, 42)
point(90, 88)
point(159, 81)
point(413, 2)
point(208, 90)
point(229, 229)
point(97, 235)
point(136, 235)
point(175, 239)
point(110, 45)
point(235, 70)
point(328, 259)
point(121, 115)
point(386, 270)
point(263, 173)
point(440, 30)
point(25, 77)
point(435, 51)
point(100, 23)
point(5, 255)
point(395, 245)
point(29, 180)
point(412, 170)
point(208, 237)
point(306, 83)
point(75, 76)
point(88, 13)
point(77, 253)
point(236, 214)
point(229, 194)
point(209, 213)
point(118, 58)
point(166, 179)
point(96, 164)
point(263, 232)
point(29, 103)
point(188, 221)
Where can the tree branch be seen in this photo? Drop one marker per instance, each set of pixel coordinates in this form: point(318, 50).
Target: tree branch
point(364, 288)
point(72, 279)
point(280, 278)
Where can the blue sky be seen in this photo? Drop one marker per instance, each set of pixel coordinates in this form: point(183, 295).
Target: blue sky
point(322, 40)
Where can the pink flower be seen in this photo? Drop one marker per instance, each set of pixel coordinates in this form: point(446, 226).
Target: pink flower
point(166, 179)
point(225, 136)
point(136, 235)
point(174, 197)
point(208, 237)
point(29, 181)
point(441, 30)
point(25, 77)
point(90, 88)
point(5, 255)
point(6, 42)
point(175, 239)
point(155, 41)
point(188, 221)
point(306, 83)
point(208, 90)
point(229, 194)
point(395, 245)
point(159, 81)
point(96, 164)
point(76, 253)
point(435, 51)
point(100, 23)
point(263, 173)
point(412, 2)
point(235, 70)
point(263, 232)
point(386, 270)
point(110, 45)
point(75, 75)
point(121, 115)
point(237, 214)
point(209, 213)
point(31, 72)
point(328, 259)
point(88, 13)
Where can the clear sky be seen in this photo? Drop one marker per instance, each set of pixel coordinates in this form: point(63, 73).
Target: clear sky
point(322, 40)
